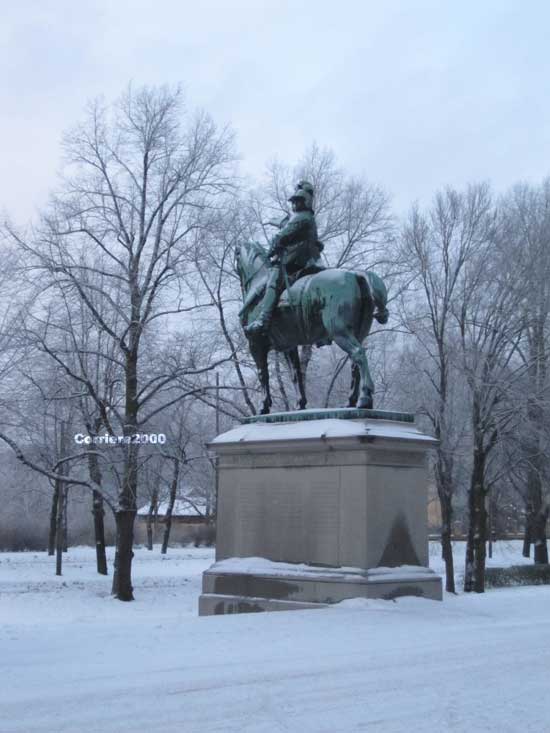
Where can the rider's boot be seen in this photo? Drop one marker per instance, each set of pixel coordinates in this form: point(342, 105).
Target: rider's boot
point(263, 321)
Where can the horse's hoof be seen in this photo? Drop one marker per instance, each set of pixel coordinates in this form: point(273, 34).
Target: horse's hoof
point(265, 407)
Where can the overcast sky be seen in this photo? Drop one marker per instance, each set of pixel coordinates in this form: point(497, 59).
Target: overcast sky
point(413, 94)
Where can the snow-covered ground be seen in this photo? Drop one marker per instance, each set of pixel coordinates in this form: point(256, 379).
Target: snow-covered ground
point(74, 659)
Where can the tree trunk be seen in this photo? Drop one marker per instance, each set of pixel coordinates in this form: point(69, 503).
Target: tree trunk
point(469, 557)
point(539, 537)
point(124, 553)
point(446, 541)
point(490, 524)
point(99, 533)
point(59, 530)
point(127, 498)
point(537, 513)
point(474, 572)
point(122, 575)
point(170, 509)
point(152, 517)
point(480, 539)
point(443, 479)
point(526, 552)
point(65, 522)
point(98, 513)
point(469, 565)
point(53, 520)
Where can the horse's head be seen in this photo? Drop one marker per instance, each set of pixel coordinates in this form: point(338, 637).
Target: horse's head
point(250, 259)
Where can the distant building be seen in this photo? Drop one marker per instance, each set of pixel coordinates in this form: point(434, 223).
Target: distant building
point(189, 516)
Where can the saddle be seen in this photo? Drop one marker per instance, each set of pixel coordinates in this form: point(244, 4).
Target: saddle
point(257, 293)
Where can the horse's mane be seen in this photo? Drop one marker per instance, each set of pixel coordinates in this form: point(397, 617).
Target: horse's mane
point(253, 250)
point(258, 249)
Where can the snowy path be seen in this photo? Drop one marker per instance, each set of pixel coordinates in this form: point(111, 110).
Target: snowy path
point(73, 659)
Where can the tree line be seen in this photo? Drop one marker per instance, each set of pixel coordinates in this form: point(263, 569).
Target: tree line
point(120, 317)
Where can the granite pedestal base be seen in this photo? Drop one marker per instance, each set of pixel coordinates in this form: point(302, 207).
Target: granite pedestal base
point(319, 506)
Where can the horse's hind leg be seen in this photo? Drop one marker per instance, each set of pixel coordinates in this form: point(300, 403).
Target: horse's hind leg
point(259, 351)
point(355, 384)
point(293, 360)
point(352, 346)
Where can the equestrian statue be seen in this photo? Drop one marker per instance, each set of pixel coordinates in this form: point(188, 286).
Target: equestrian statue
point(290, 299)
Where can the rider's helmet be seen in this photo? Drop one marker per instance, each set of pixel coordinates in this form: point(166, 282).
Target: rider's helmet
point(304, 191)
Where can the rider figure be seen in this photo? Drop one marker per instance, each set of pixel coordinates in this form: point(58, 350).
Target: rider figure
point(296, 248)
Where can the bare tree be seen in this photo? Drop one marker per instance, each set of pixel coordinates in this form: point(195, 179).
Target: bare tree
point(142, 178)
point(486, 310)
point(214, 261)
point(151, 480)
point(437, 245)
point(525, 243)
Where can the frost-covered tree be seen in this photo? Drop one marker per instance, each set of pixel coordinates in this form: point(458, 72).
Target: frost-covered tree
point(142, 179)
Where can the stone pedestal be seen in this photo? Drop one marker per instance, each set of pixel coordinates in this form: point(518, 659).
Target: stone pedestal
point(320, 505)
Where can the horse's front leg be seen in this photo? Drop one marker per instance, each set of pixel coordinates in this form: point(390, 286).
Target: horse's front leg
point(259, 350)
point(293, 360)
point(264, 383)
point(355, 384)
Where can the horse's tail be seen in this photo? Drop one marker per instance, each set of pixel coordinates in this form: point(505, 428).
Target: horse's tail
point(379, 295)
point(367, 305)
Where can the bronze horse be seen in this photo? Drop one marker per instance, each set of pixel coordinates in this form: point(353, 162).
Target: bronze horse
point(329, 305)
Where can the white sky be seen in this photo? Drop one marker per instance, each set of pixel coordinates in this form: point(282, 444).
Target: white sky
point(414, 94)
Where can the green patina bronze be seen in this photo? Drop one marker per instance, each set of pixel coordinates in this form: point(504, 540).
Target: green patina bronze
point(290, 300)
point(343, 413)
point(294, 251)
